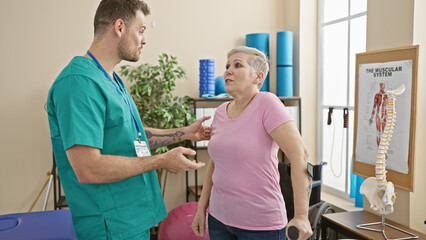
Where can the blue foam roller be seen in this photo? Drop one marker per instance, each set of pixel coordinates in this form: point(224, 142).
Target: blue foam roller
point(259, 41)
point(204, 84)
point(209, 69)
point(207, 81)
point(265, 86)
point(285, 81)
point(207, 86)
point(207, 75)
point(209, 60)
point(285, 48)
point(219, 85)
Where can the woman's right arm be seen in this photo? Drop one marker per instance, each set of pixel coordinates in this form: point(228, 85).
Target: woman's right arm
point(199, 223)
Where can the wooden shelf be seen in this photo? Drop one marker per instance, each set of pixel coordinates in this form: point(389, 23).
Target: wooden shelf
point(201, 148)
point(345, 223)
point(192, 190)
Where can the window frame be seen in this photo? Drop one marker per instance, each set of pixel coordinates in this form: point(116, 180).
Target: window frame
point(320, 94)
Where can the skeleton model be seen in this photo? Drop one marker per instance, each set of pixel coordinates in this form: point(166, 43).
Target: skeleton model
point(379, 192)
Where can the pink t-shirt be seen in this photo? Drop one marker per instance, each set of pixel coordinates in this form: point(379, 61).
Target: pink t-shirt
point(246, 190)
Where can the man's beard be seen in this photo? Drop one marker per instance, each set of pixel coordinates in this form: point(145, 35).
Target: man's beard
point(127, 54)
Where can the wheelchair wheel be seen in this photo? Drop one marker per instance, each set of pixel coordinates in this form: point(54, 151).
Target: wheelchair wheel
point(324, 208)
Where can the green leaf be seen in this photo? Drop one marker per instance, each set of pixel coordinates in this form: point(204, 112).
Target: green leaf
point(151, 89)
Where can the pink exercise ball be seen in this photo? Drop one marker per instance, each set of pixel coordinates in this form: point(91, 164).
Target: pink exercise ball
point(177, 225)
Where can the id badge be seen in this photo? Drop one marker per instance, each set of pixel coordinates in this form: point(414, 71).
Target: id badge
point(142, 149)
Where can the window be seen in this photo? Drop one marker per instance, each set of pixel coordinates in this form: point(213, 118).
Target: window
point(342, 34)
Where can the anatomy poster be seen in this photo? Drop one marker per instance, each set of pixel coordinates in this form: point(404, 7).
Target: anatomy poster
point(374, 80)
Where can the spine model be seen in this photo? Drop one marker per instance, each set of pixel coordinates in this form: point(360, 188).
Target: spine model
point(385, 140)
point(378, 191)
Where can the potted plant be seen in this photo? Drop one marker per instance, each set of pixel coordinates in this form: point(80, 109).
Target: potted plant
point(152, 92)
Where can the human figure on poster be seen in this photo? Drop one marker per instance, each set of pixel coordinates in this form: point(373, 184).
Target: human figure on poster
point(379, 110)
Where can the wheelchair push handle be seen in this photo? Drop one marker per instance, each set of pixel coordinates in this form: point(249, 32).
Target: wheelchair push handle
point(293, 233)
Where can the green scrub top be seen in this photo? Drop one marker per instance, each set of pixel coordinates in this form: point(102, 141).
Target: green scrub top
point(85, 108)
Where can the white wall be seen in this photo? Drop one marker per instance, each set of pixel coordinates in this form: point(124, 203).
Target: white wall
point(308, 73)
point(418, 197)
point(40, 37)
point(193, 30)
point(399, 23)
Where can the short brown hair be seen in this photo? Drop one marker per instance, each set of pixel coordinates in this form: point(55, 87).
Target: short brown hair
point(110, 10)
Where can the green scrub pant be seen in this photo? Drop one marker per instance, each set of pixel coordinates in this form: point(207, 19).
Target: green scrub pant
point(143, 236)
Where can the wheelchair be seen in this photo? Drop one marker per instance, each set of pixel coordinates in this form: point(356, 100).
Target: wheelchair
point(316, 206)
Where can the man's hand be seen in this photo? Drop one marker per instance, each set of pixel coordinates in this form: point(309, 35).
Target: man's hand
point(197, 131)
point(303, 225)
point(176, 162)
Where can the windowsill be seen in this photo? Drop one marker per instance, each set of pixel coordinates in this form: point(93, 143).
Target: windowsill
point(344, 204)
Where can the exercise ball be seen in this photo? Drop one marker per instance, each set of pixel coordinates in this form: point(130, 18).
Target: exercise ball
point(219, 85)
point(177, 225)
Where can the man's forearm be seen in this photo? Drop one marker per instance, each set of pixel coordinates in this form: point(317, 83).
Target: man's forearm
point(90, 166)
point(163, 137)
point(117, 171)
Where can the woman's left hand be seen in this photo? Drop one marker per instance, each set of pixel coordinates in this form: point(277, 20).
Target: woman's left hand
point(303, 225)
point(199, 224)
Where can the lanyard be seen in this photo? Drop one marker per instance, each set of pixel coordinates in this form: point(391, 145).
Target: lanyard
point(125, 96)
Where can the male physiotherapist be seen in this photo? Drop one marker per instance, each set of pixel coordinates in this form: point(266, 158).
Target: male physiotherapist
point(100, 145)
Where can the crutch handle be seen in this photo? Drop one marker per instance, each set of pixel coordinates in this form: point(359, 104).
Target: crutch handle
point(293, 233)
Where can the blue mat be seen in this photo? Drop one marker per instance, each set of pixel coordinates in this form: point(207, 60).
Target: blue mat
point(47, 225)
